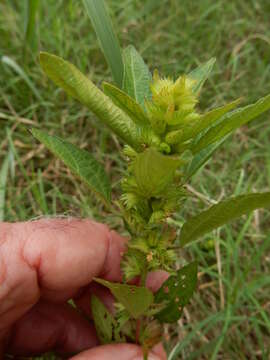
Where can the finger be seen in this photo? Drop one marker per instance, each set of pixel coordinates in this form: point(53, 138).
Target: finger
point(84, 300)
point(155, 279)
point(49, 326)
point(52, 259)
point(119, 352)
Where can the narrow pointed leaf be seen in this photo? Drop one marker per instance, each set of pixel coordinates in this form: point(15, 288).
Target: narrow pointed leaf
point(137, 77)
point(136, 299)
point(209, 118)
point(101, 21)
point(231, 122)
point(79, 161)
point(200, 159)
point(201, 73)
point(154, 171)
point(221, 214)
point(104, 321)
point(176, 292)
point(126, 103)
point(81, 88)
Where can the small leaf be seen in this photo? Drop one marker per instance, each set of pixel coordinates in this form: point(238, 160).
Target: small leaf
point(104, 321)
point(136, 299)
point(222, 213)
point(126, 103)
point(79, 161)
point(98, 14)
point(201, 73)
point(176, 292)
point(231, 122)
point(137, 77)
point(154, 171)
point(81, 88)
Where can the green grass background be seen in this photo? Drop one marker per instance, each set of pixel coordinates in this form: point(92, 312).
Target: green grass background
point(229, 316)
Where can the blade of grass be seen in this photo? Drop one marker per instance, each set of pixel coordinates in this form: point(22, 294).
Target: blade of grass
point(3, 182)
point(100, 19)
point(32, 7)
point(15, 67)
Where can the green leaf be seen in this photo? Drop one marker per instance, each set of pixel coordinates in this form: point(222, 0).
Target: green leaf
point(201, 73)
point(137, 77)
point(97, 11)
point(126, 103)
point(154, 171)
point(136, 299)
point(81, 88)
point(208, 119)
point(200, 159)
point(222, 213)
point(104, 321)
point(176, 292)
point(231, 122)
point(79, 161)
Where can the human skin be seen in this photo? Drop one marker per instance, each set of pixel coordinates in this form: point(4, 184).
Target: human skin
point(47, 262)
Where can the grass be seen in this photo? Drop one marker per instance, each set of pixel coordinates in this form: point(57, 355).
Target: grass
point(229, 316)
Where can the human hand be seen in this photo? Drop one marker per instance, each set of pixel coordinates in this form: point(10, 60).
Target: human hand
point(42, 265)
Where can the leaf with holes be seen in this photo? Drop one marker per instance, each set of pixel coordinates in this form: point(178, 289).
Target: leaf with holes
point(176, 292)
point(104, 321)
point(222, 213)
point(137, 77)
point(126, 103)
point(136, 299)
point(201, 74)
point(79, 161)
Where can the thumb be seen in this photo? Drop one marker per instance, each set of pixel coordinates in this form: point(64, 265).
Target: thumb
point(120, 352)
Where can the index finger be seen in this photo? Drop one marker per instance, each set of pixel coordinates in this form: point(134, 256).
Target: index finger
point(52, 259)
point(67, 254)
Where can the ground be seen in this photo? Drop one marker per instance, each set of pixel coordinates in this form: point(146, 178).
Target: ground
point(229, 316)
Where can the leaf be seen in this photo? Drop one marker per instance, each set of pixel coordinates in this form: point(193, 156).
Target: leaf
point(176, 291)
point(81, 88)
point(79, 161)
point(200, 159)
point(137, 77)
point(201, 73)
point(154, 171)
point(208, 119)
point(104, 321)
point(136, 299)
point(98, 14)
point(222, 213)
point(231, 122)
point(126, 103)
